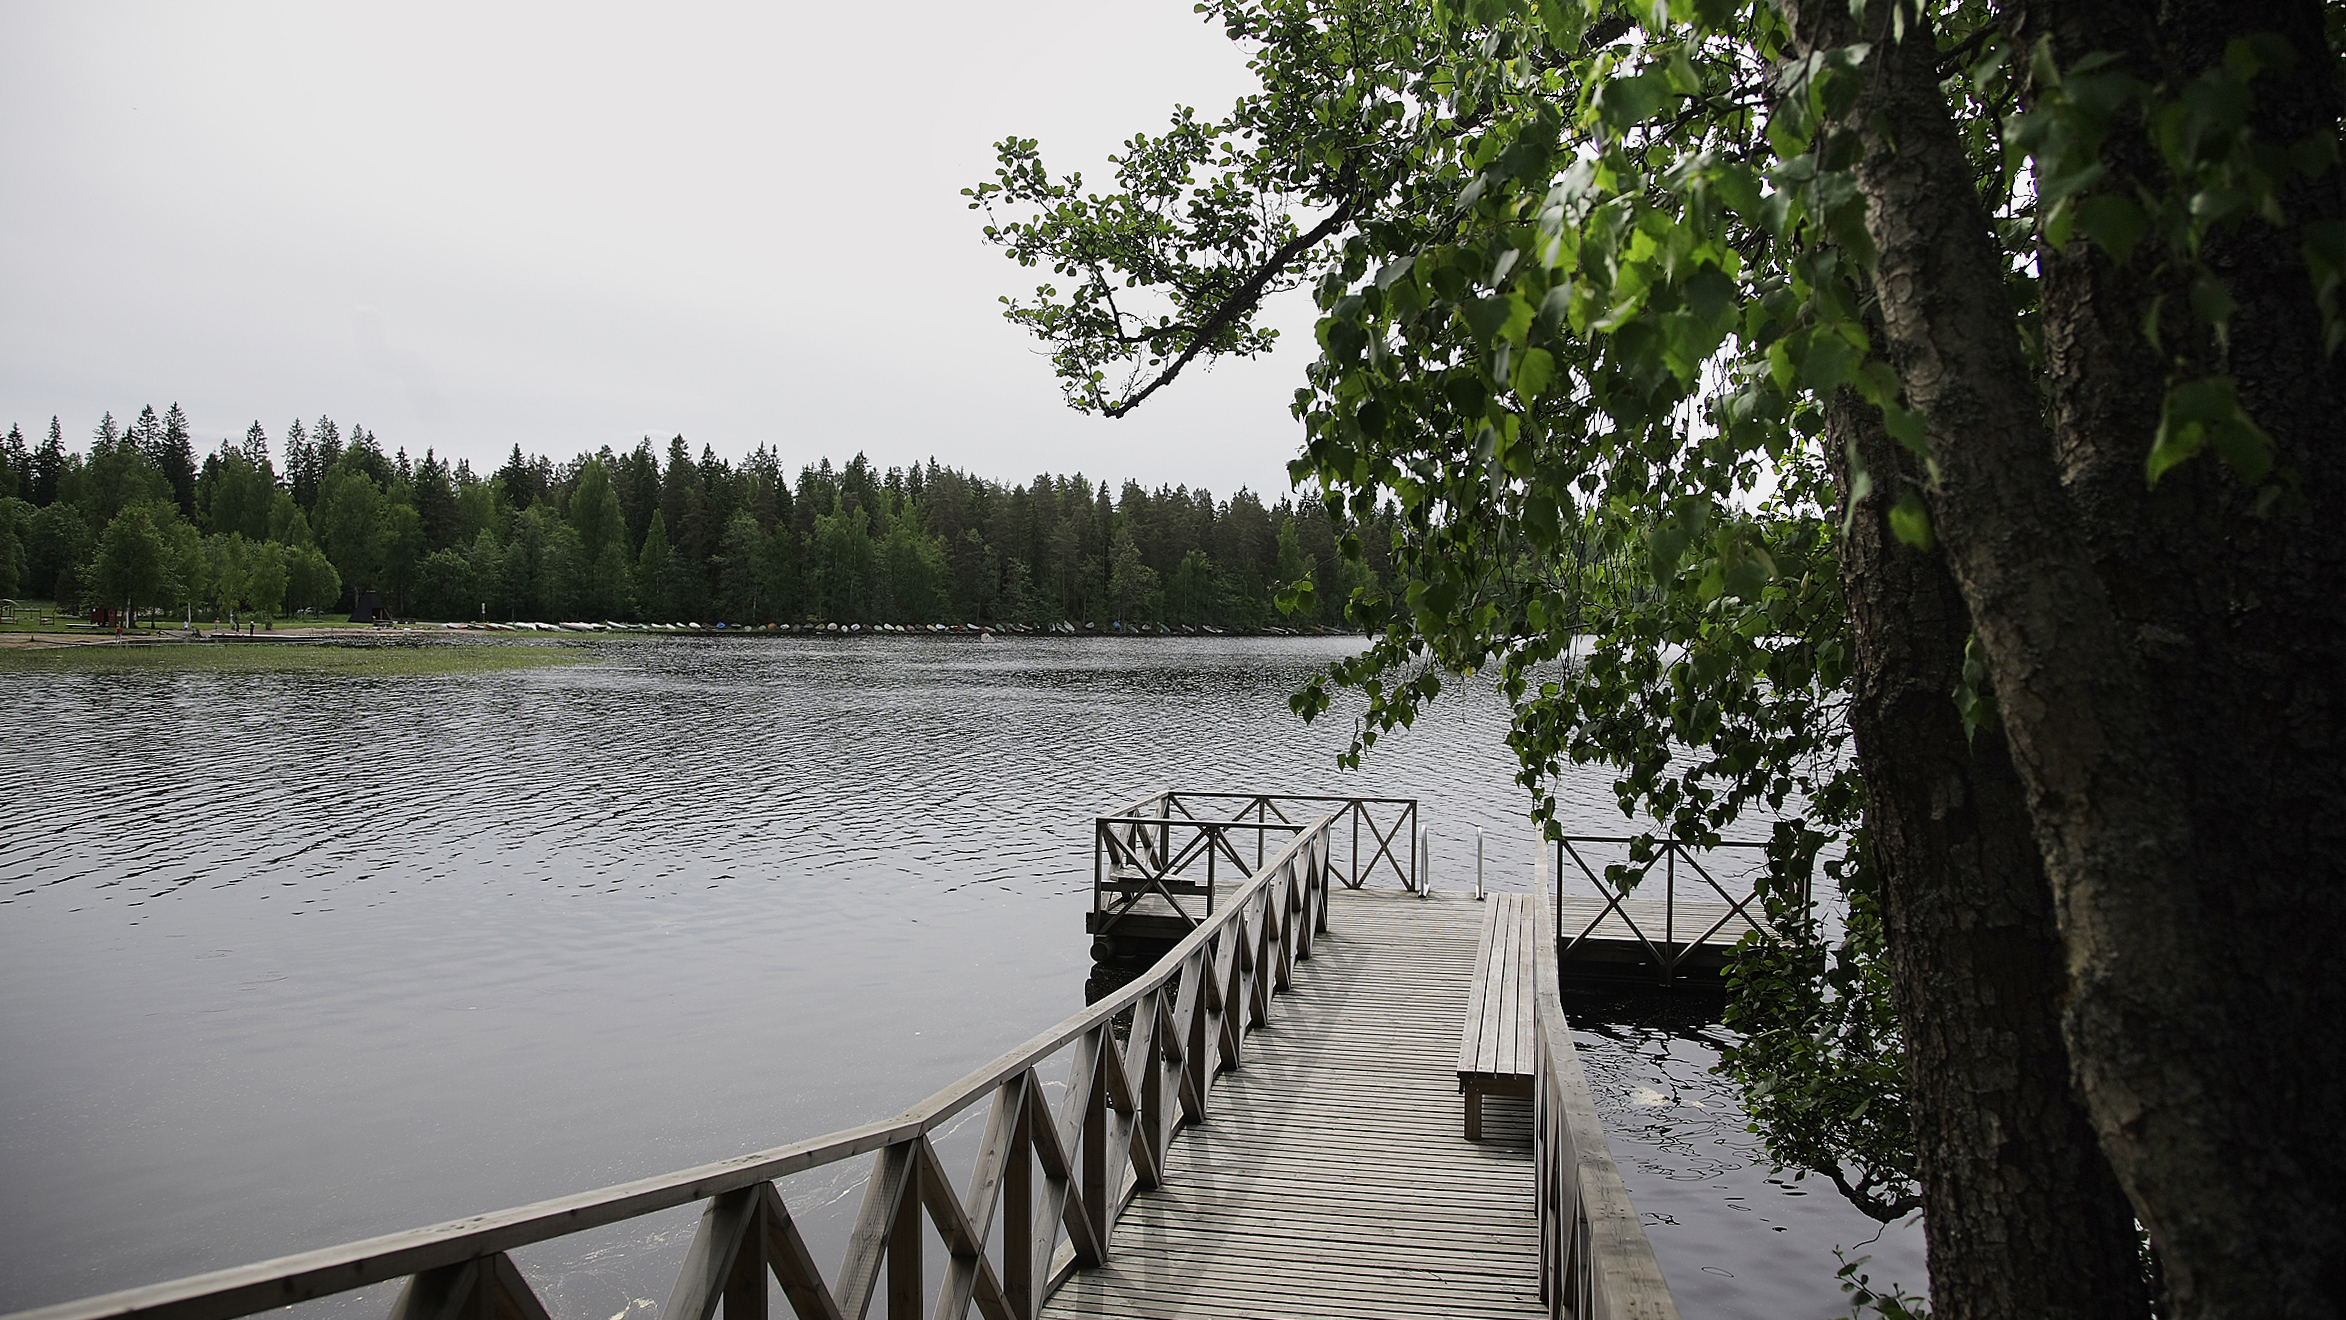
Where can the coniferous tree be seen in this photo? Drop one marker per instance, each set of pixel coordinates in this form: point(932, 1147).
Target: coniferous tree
point(49, 466)
point(636, 480)
point(778, 573)
point(1133, 595)
point(594, 510)
point(57, 541)
point(16, 465)
point(326, 439)
point(655, 572)
point(478, 508)
point(744, 592)
point(14, 514)
point(524, 481)
point(234, 494)
point(175, 458)
point(121, 471)
point(435, 503)
point(145, 434)
point(301, 465)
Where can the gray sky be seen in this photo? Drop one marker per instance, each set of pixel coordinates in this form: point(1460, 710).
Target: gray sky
point(572, 225)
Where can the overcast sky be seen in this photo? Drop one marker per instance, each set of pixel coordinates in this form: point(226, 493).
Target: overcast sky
point(567, 226)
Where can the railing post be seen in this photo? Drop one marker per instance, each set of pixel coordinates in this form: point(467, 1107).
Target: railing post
point(1670, 895)
point(905, 1285)
point(745, 1283)
point(1211, 848)
point(1095, 1142)
point(1415, 881)
point(1018, 1279)
point(1152, 1077)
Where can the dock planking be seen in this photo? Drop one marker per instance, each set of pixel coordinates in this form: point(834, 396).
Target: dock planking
point(1330, 1177)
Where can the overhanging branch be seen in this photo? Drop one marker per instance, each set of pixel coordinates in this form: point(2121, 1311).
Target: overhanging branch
point(1248, 296)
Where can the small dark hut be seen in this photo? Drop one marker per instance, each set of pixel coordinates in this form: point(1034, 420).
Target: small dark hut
point(369, 608)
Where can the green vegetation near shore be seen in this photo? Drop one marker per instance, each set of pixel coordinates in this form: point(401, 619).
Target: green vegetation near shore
point(371, 660)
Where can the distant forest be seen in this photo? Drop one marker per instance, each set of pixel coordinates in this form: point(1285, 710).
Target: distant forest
point(653, 535)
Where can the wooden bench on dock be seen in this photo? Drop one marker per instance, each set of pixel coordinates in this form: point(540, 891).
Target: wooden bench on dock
point(1495, 1051)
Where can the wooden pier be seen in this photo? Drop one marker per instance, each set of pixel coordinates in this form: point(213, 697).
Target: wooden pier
point(1683, 917)
point(1264, 1122)
point(1332, 1178)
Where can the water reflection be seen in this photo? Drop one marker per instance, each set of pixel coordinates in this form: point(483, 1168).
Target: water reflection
point(1733, 1236)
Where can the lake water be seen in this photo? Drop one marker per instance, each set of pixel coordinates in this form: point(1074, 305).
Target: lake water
point(290, 960)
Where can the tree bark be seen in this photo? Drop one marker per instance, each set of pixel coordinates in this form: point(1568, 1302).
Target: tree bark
point(2186, 992)
point(2239, 616)
point(2022, 1215)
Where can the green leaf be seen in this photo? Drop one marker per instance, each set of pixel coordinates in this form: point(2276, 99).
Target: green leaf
point(1974, 700)
point(1827, 363)
point(1906, 427)
point(2113, 222)
point(1709, 293)
point(1624, 103)
point(1910, 521)
point(1488, 317)
point(1738, 186)
point(1861, 486)
point(1534, 374)
point(2198, 413)
point(2212, 301)
point(1555, 308)
point(1781, 365)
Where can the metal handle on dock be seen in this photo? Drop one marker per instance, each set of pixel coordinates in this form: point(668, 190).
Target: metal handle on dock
point(1478, 863)
point(1425, 861)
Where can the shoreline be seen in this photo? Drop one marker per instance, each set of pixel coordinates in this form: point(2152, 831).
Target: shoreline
point(58, 639)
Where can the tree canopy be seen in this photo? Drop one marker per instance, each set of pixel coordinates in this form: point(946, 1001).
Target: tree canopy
point(1918, 421)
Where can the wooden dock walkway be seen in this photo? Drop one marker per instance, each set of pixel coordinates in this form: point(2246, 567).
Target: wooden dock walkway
point(1331, 1177)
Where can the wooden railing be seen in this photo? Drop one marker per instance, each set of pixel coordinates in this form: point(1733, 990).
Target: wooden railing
point(1595, 1261)
point(1138, 839)
point(1050, 1182)
point(1664, 945)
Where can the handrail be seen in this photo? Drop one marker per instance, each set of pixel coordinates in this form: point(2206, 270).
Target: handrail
point(1671, 951)
point(1105, 1142)
point(1595, 1260)
point(1133, 853)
